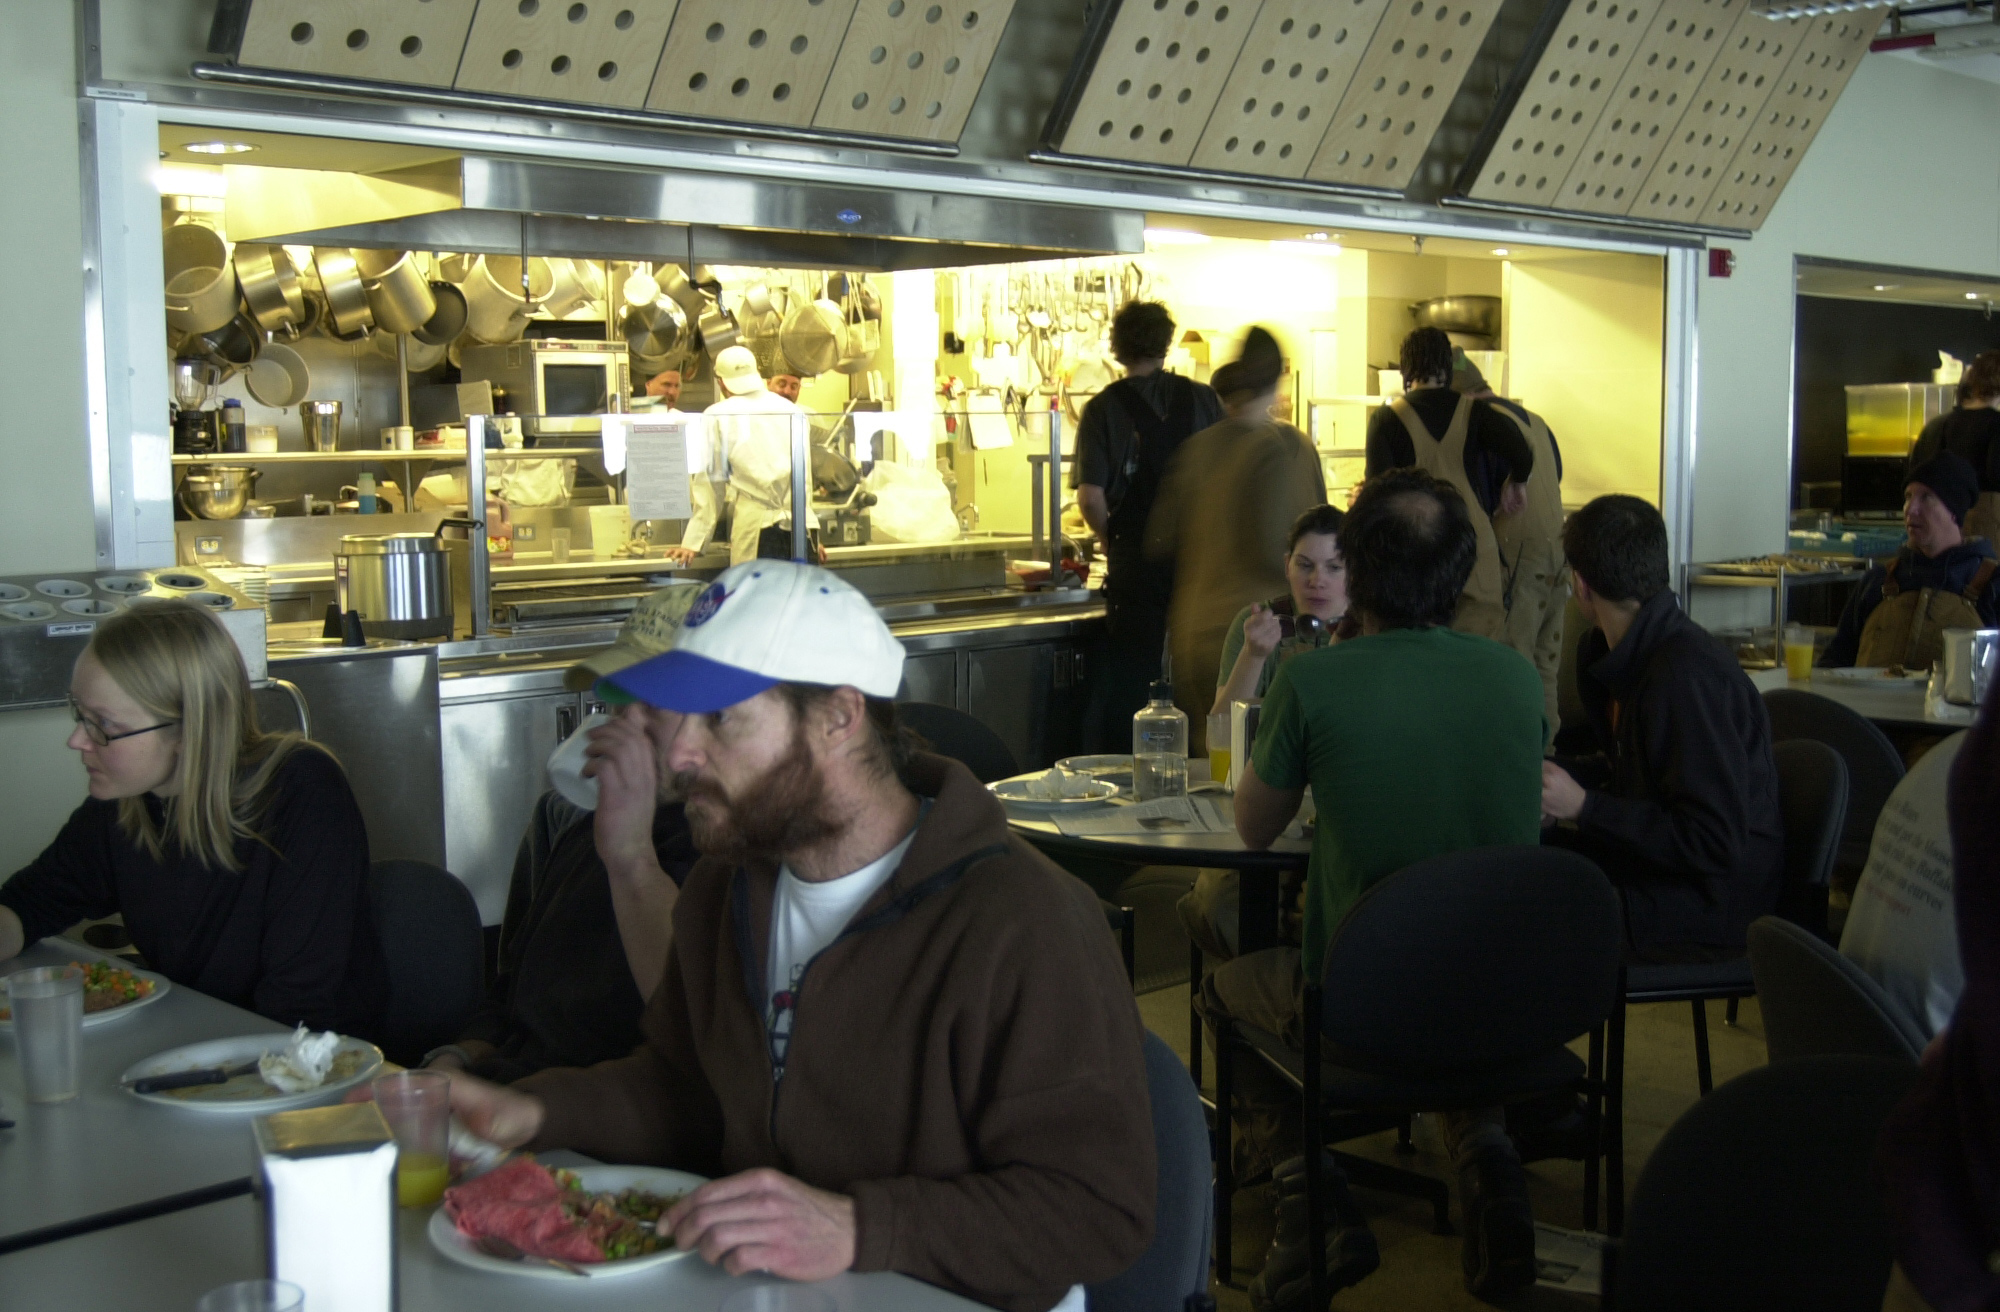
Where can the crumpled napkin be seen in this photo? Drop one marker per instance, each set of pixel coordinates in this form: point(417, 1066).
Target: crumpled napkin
point(301, 1065)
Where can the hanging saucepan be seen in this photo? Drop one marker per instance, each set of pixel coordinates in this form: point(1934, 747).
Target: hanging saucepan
point(867, 301)
point(757, 302)
point(447, 321)
point(567, 291)
point(810, 338)
point(235, 344)
point(718, 329)
point(270, 285)
point(399, 296)
point(418, 357)
point(348, 314)
point(656, 330)
point(496, 311)
point(280, 378)
point(673, 283)
point(201, 285)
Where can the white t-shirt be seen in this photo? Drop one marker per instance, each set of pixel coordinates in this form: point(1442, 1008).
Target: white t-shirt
point(805, 917)
point(1902, 928)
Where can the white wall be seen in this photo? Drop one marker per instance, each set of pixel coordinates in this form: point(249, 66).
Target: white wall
point(1904, 173)
point(46, 526)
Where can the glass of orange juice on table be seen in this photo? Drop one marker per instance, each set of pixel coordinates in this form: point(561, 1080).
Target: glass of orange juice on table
point(417, 1106)
point(1798, 653)
point(1218, 747)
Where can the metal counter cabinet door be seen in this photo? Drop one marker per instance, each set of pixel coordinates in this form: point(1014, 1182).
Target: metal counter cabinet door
point(1008, 690)
point(496, 752)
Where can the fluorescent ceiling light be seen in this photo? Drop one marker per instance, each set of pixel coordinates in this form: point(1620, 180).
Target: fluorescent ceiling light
point(1321, 236)
point(1501, 250)
point(1972, 296)
point(218, 147)
point(1175, 237)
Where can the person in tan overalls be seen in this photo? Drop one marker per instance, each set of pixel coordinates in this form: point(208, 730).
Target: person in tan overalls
point(1941, 580)
point(1534, 573)
point(1446, 435)
point(1972, 432)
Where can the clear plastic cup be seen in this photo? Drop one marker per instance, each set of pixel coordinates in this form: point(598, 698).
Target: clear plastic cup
point(1798, 653)
point(417, 1106)
point(559, 545)
point(1218, 747)
point(253, 1296)
point(48, 1029)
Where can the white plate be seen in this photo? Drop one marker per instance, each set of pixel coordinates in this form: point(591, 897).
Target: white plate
point(1096, 765)
point(92, 1019)
point(1873, 675)
point(446, 1239)
point(240, 1094)
point(1014, 792)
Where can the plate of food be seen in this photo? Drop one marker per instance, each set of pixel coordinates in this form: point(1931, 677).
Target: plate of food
point(109, 992)
point(1055, 789)
point(256, 1073)
point(1876, 675)
point(1114, 768)
point(594, 1221)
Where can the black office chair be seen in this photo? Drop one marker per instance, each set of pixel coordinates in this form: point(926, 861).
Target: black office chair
point(1817, 1003)
point(1812, 796)
point(1453, 984)
point(1764, 1196)
point(1874, 766)
point(951, 732)
point(429, 928)
point(1175, 1265)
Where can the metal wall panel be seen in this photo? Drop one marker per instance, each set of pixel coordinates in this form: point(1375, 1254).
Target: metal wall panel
point(593, 53)
point(1295, 65)
point(1157, 78)
point(1421, 53)
point(911, 67)
point(748, 59)
point(1563, 98)
point(383, 40)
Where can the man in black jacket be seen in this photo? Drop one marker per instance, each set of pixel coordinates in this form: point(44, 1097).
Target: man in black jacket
point(1682, 809)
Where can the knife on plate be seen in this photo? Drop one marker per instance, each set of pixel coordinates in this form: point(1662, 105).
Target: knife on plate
point(188, 1079)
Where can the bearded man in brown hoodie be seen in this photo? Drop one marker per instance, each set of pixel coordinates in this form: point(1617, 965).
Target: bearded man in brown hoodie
point(897, 1036)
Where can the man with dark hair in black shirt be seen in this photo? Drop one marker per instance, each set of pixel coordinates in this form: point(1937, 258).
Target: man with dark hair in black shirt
point(1124, 440)
point(1450, 436)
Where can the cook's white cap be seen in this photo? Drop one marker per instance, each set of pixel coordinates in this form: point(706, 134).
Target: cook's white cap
point(736, 370)
point(763, 623)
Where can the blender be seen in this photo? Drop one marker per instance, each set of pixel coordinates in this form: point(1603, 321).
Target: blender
point(197, 429)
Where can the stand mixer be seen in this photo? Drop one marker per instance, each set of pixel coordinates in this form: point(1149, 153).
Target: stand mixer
point(197, 428)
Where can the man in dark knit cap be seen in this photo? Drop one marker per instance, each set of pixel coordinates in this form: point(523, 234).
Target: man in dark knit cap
point(1940, 580)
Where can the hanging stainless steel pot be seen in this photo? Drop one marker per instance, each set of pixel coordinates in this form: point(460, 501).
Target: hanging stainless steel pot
point(399, 296)
point(200, 283)
point(447, 321)
point(496, 310)
point(655, 331)
point(811, 337)
point(673, 284)
point(270, 285)
point(348, 314)
point(235, 344)
point(718, 329)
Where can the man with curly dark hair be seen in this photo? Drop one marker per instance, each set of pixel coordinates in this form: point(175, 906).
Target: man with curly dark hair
point(1127, 435)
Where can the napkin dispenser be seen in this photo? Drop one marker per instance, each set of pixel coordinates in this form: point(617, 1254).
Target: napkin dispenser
point(1968, 660)
point(329, 1176)
point(1242, 737)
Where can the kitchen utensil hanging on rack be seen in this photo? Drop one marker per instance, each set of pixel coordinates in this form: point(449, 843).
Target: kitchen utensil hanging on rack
point(348, 314)
point(201, 282)
point(447, 321)
point(497, 306)
point(270, 286)
point(399, 296)
point(810, 339)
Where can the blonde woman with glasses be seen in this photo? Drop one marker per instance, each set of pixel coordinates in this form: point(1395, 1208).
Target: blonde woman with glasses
point(237, 857)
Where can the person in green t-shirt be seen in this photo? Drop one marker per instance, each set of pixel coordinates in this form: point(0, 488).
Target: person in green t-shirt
point(1265, 635)
point(1415, 739)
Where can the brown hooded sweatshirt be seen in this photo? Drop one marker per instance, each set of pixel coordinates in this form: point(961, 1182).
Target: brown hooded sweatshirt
point(964, 1062)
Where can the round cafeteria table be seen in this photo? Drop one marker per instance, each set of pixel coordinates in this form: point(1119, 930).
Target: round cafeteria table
point(105, 1156)
point(169, 1261)
point(1895, 707)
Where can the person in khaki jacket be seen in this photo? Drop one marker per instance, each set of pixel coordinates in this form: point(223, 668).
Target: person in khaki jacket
point(897, 1036)
point(1534, 574)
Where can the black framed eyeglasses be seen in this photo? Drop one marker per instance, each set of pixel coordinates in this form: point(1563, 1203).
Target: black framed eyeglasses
point(95, 731)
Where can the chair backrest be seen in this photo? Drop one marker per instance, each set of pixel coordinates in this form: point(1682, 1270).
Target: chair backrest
point(1763, 1195)
point(436, 952)
point(1474, 957)
point(1812, 794)
point(955, 734)
point(1175, 1264)
point(1874, 767)
point(1817, 1003)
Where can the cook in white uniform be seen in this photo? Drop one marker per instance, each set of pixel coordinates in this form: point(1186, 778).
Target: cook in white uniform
point(750, 434)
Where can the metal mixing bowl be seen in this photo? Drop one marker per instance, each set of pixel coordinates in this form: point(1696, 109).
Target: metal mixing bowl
point(217, 493)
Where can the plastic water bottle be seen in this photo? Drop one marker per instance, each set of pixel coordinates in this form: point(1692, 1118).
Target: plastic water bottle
point(1159, 747)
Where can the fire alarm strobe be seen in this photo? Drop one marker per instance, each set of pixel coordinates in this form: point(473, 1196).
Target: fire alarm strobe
point(1721, 262)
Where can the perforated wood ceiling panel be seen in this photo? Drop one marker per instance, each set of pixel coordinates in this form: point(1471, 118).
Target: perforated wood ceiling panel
point(1647, 105)
point(764, 61)
point(1294, 67)
point(1562, 99)
point(1828, 51)
point(600, 52)
point(1729, 100)
point(1156, 79)
point(1421, 53)
point(911, 68)
point(386, 40)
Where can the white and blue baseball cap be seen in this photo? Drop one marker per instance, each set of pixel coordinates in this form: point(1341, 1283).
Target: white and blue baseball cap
point(763, 623)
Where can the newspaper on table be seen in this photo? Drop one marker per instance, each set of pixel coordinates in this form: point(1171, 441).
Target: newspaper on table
point(1162, 815)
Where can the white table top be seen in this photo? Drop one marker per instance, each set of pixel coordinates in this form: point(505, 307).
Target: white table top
point(104, 1149)
point(1897, 703)
point(1165, 847)
point(168, 1262)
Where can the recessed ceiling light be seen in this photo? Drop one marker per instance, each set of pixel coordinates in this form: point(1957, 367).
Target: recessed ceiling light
point(1881, 286)
point(1175, 237)
point(1318, 236)
point(218, 147)
point(1501, 250)
point(1972, 296)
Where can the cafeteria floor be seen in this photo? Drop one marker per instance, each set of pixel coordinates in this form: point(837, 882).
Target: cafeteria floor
point(1420, 1270)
